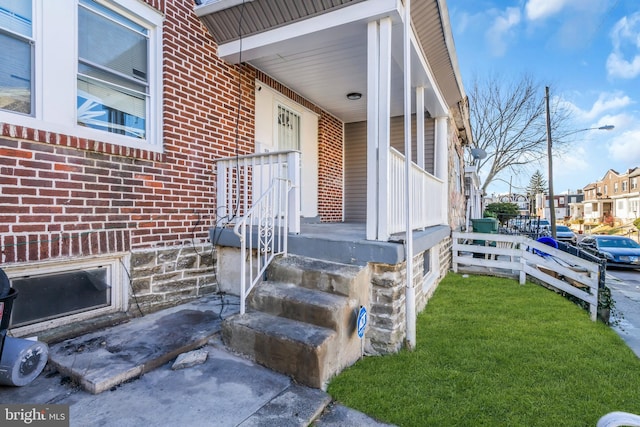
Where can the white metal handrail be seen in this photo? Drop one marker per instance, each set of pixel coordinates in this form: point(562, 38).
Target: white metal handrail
point(426, 189)
point(242, 179)
point(263, 234)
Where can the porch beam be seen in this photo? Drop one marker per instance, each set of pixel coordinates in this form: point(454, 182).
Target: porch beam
point(266, 43)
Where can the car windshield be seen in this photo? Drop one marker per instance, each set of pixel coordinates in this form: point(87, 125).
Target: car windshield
point(563, 228)
point(617, 243)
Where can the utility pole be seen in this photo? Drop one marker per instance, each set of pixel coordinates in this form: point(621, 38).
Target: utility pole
point(552, 208)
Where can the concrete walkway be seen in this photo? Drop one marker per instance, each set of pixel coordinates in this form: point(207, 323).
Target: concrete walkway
point(625, 320)
point(130, 366)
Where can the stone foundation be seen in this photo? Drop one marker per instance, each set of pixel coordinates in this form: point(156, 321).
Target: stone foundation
point(387, 317)
point(167, 276)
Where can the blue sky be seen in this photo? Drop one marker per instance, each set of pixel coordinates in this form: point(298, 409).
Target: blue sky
point(586, 51)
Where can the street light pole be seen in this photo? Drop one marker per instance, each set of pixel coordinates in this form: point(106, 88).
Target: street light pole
point(552, 208)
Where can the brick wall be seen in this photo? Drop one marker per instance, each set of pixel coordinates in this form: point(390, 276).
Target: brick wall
point(60, 188)
point(64, 196)
point(330, 169)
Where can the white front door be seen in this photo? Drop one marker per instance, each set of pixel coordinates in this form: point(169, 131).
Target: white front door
point(281, 125)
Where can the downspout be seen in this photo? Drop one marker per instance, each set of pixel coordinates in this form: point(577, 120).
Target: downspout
point(410, 295)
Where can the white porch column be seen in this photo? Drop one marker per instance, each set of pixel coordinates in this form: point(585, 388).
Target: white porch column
point(442, 162)
point(420, 126)
point(378, 126)
point(410, 292)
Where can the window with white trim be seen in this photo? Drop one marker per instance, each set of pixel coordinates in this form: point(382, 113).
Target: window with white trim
point(98, 76)
point(60, 292)
point(113, 89)
point(16, 56)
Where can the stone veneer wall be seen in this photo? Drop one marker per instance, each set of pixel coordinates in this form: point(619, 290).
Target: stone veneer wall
point(163, 277)
point(387, 317)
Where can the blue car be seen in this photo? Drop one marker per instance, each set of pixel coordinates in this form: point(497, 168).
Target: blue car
point(619, 251)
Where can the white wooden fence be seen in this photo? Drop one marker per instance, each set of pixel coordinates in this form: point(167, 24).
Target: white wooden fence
point(521, 256)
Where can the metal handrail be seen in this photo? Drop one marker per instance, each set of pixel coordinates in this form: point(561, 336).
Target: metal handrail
point(269, 215)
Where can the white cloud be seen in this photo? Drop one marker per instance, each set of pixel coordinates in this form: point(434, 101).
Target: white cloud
point(625, 147)
point(501, 32)
point(572, 162)
point(541, 9)
point(606, 102)
point(624, 60)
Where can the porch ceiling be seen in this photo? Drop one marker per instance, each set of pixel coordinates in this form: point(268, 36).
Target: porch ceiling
point(323, 55)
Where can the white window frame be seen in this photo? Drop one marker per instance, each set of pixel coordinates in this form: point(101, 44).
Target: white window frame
point(55, 34)
point(117, 279)
point(429, 280)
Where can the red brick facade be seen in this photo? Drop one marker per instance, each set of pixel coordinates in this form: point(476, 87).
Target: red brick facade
point(65, 196)
point(62, 196)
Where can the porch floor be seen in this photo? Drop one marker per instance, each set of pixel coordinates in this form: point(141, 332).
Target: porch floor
point(345, 242)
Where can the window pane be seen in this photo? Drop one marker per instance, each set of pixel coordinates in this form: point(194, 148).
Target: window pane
point(102, 106)
point(288, 129)
point(112, 72)
point(15, 16)
point(15, 56)
point(15, 75)
point(111, 45)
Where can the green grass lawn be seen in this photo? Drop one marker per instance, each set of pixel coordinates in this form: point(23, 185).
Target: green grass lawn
point(491, 352)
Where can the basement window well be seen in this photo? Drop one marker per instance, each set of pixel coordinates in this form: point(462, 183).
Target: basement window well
point(56, 294)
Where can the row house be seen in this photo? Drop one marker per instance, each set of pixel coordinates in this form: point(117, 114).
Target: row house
point(614, 198)
point(567, 206)
point(134, 134)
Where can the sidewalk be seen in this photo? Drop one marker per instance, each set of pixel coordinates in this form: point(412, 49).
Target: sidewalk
point(225, 390)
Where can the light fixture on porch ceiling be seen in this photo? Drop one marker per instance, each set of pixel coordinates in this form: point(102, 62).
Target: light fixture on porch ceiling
point(354, 96)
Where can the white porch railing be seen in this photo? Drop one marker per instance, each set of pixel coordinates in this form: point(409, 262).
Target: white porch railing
point(427, 191)
point(521, 256)
point(263, 235)
point(243, 179)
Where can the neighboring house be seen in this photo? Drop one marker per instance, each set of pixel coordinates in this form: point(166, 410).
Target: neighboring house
point(125, 125)
point(562, 205)
point(520, 200)
point(575, 208)
point(615, 197)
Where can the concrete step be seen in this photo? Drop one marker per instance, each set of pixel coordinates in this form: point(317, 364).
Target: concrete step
point(327, 276)
point(295, 406)
point(106, 358)
point(305, 305)
point(300, 350)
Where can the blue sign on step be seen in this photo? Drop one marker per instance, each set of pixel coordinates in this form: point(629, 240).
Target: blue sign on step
point(362, 321)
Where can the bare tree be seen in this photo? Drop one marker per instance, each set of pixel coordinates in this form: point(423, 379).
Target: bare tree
point(508, 123)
